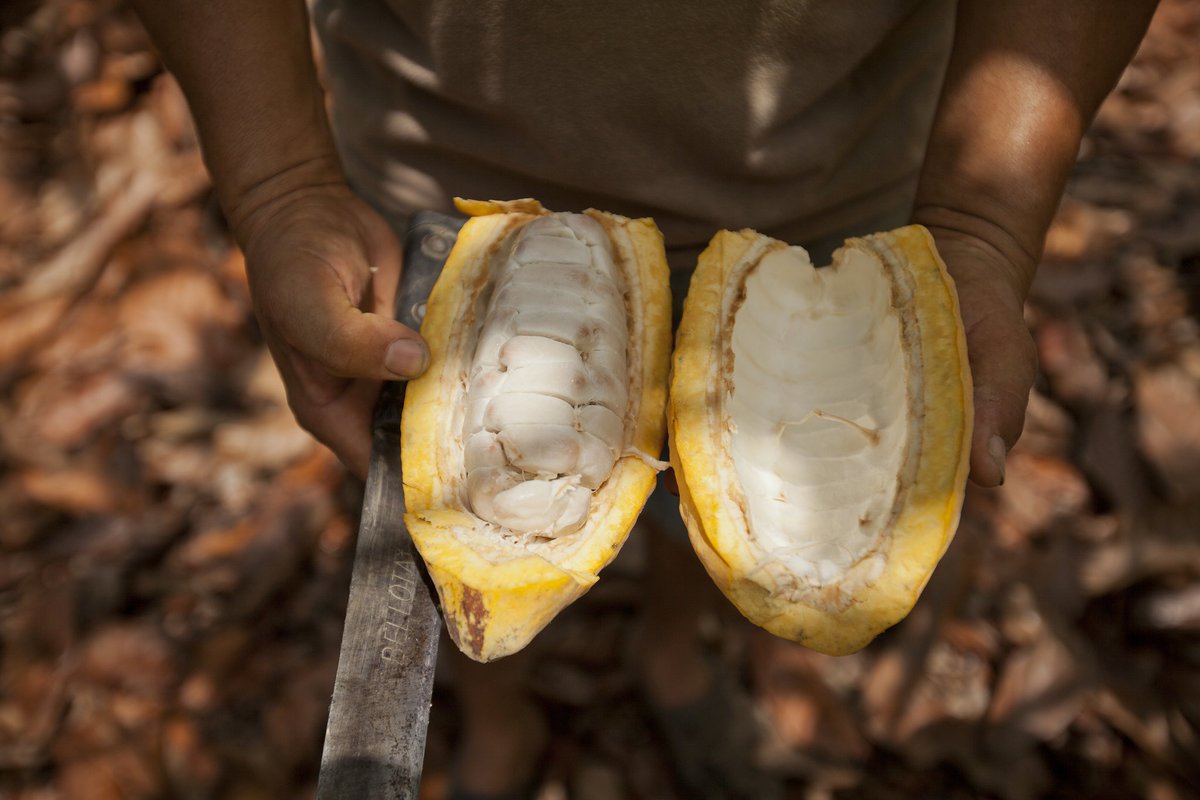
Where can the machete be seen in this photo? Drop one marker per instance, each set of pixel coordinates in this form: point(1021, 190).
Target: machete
point(379, 715)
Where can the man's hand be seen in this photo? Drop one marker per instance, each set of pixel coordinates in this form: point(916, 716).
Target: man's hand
point(1023, 82)
point(323, 269)
point(1002, 354)
point(323, 266)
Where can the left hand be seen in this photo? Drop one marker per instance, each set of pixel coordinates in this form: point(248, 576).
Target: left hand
point(1000, 349)
point(1023, 82)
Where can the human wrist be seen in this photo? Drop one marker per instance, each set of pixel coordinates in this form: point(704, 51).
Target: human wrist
point(248, 74)
point(258, 203)
point(978, 238)
point(985, 180)
point(1023, 82)
point(278, 149)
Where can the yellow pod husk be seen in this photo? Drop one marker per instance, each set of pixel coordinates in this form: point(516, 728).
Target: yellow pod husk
point(499, 589)
point(820, 422)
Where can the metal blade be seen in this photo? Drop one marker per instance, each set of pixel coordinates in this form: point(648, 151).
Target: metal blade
point(379, 715)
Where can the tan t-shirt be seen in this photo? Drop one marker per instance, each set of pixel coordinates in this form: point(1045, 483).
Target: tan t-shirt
point(804, 120)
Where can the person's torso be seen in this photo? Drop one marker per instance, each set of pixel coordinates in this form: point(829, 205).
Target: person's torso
point(799, 119)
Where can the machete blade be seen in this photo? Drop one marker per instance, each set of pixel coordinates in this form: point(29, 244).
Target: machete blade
point(379, 715)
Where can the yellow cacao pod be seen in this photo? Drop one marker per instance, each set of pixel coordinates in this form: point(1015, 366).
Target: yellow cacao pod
point(529, 445)
point(820, 422)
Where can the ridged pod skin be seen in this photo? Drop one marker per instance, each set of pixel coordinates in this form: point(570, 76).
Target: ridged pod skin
point(878, 586)
point(499, 589)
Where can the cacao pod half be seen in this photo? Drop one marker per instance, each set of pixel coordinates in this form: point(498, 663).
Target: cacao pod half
point(820, 423)
point(529, 445)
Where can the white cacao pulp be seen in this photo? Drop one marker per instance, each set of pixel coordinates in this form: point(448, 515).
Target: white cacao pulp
point(820, 427)
point(547, 390)
point(820, 412)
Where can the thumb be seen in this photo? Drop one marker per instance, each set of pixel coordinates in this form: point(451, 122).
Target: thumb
point(324, 325)
point(360, 344)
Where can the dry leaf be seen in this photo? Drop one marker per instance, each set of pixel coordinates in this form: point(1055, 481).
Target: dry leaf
point(1168, 417)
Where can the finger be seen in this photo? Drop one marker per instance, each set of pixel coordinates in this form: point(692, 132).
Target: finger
point(337, 412)
point(1003, 367)
point(324, 324)
point(343, 425)
point(346, 427)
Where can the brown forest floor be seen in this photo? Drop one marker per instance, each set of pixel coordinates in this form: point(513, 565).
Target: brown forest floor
point(175, 552)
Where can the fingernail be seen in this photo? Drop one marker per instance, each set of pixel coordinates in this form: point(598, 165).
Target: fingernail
point(405, 358)
point(998, 452)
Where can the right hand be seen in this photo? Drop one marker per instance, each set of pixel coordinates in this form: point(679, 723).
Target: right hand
point(323, 270)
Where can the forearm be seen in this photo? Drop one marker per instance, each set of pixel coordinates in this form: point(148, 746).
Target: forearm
point(248, 74)
point(1024, 81)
